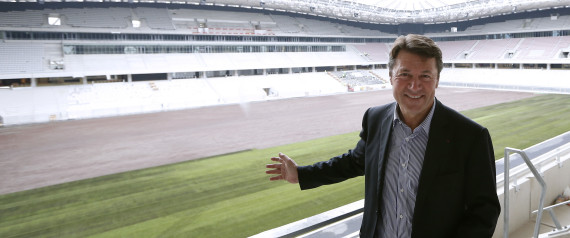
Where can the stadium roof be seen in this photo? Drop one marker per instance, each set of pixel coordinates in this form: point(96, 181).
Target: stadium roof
point(415, 11)
point(411, 5)
point(371, 11)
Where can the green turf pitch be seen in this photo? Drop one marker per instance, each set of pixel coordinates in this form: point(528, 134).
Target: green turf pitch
point(230, 195)
point(524, 123)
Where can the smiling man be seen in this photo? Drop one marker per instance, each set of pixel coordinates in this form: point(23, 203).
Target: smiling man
point(429, 171)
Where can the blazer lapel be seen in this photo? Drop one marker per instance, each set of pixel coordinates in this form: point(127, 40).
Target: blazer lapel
point(437, 150)
point(385, 132)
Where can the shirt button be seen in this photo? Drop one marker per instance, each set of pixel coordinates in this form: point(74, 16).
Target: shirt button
point(403, 165)
point(402, 190)
point(407, 139)
point(401, 217)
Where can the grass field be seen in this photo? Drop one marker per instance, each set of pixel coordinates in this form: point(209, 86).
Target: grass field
point(524, 123)
point(230, 195)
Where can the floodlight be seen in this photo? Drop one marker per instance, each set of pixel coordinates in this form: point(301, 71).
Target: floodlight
point(54, 20)
point(136, 23)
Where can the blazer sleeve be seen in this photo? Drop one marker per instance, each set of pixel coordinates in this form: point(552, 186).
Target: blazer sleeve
point(482, 207)
point(339, 168)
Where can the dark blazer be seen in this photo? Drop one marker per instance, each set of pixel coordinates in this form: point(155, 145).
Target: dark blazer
point(457, 195)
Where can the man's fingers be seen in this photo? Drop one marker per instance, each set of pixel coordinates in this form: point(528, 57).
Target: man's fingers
point(284, 156)
point(275, 171)
point(286, 160)
point(280, 177)
point(273, 166)
point(276, 168)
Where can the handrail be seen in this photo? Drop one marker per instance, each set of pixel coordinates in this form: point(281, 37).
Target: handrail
point(553, 206)
point(554, 219)
point(506, 186)
point(311, 223)
point(539, 161)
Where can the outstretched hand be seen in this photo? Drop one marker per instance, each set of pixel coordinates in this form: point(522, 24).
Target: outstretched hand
point(286, 169)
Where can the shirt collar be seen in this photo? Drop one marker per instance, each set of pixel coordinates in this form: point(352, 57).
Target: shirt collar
point(425, 124)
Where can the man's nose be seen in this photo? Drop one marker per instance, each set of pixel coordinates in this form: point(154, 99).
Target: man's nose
point(415, 84)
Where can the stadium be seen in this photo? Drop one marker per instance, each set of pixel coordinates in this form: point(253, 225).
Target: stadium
point(126, 118)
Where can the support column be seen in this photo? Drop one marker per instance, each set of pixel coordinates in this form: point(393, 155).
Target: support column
point(290, 70)
point(169, 76)
point(84, 80)
point(130, 78)
point(204, 74)
point(335, 68)
point(496, 66)
point(264, 71)
point(354, 67)
point(314, 69)
point(33, 82)
point(548, 66)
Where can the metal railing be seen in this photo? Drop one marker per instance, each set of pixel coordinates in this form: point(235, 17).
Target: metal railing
point(506, 187)
point(541, 161)
point(559, 229)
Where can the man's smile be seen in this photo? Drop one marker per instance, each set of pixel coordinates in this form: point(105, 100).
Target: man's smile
point(414, 97)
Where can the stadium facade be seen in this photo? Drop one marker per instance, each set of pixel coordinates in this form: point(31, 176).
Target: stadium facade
point(83, 44)
point(160, 51)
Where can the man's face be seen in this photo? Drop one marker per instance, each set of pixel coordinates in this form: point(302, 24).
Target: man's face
point(414, 79)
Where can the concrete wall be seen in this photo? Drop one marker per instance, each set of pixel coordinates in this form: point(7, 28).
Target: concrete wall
point(56, 103)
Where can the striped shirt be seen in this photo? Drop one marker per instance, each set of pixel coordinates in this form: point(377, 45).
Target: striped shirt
point(403, 168)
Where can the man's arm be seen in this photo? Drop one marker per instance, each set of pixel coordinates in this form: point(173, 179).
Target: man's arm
point(337, 169)
point(345, 166)
point(334, 170)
